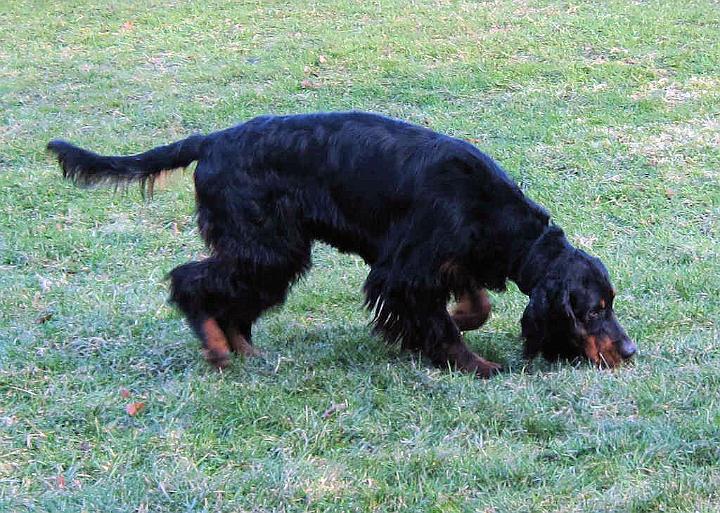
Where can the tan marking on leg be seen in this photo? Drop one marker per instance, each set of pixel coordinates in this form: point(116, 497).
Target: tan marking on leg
point(591, 349)
point(485, 368)
point(472, 310)
point(241, 346)
point(216, 347)
point(451, 270)
point(467, 361)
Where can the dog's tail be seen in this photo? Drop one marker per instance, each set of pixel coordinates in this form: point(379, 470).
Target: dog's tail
point(86, 168)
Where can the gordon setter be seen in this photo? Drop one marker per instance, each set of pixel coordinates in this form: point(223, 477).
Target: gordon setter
point(431, 215)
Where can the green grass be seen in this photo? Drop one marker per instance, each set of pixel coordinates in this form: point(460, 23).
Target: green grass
point(607, 113)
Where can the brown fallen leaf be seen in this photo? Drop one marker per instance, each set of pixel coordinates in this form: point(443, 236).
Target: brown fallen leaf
point(133, 409)
point(128, 25)
point(309, 84)
point(124, 393)
point(334, 409)
point(44, 318)
point(60, 481)
point(322, 59)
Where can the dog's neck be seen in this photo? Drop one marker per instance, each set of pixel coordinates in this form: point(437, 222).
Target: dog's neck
point(535, 258)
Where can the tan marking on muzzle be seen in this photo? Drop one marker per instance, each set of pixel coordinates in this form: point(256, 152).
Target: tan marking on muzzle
point(602, 351)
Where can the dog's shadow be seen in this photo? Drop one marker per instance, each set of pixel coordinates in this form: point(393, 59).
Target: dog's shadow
point(345, 345)
point(352, 346)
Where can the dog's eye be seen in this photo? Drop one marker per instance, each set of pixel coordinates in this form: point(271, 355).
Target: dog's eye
point(596, 314)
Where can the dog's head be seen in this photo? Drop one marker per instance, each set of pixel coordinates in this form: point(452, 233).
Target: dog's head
point(570, 314)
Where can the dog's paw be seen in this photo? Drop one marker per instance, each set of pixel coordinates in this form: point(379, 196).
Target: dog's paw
point(487, 369)
point(215, 346)
point(242, 347)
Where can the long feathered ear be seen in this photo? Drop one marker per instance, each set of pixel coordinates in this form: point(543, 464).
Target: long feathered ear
point(534, 323)
point(549, 324)
point(566, 312)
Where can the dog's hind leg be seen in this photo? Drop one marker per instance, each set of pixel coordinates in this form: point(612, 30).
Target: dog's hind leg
point(252, 225)
point(221, 300)
point(197, 289)
point(261, 291)
point(419, 320)
point(239, 334)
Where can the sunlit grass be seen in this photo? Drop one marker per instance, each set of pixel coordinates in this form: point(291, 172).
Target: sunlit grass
point(606, 113)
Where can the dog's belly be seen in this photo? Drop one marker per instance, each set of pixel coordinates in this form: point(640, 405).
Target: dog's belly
point(348, 224)
point(347, 239)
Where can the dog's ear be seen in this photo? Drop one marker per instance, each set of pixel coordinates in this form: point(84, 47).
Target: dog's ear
point(564, 311)
point(534, 322)
point(548, 324)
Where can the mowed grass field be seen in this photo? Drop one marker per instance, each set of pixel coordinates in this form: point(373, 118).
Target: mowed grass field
point(608, 113)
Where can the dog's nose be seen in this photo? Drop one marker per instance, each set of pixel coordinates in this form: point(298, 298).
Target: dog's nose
point(627, 348)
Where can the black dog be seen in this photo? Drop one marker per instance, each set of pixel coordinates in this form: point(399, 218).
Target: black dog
point(431, 215)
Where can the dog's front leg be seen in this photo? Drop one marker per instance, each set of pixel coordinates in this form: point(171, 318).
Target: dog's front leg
point(420, 322)
point(444, 344)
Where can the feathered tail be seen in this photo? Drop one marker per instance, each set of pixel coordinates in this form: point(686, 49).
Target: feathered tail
point(86, 168)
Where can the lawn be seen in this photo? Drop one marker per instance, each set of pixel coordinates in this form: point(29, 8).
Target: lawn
point(608, 113)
